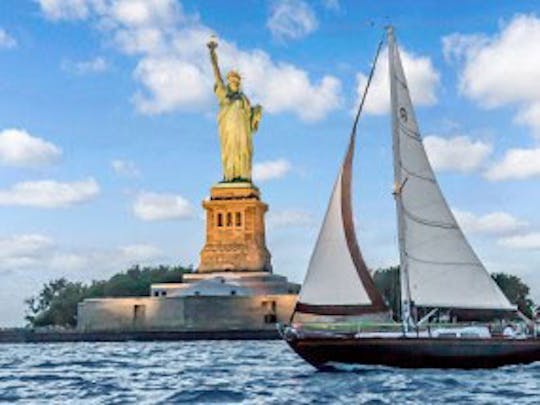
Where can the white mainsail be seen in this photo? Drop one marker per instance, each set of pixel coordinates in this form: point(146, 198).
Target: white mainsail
point(439, 267)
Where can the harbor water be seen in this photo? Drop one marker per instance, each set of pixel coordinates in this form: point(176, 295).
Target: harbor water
point(250, 372)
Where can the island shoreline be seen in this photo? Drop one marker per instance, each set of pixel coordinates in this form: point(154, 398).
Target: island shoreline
point(33, 336)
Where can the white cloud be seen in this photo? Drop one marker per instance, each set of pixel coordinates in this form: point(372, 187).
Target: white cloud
point(140, 252)
point(457, 47)
point(105, 260)
point(49, 193)
point(530, 241)
point(61, 261)
point(502, 69)
point(96, 65)
point(170, 84)
point(39, 252)
point(291, 19)
point(174, 70)
point(23, 251)
point(289, 218)
point(29, 260)
point(183, 80)
point(456, 154)
point(66, 9)
point(125, 168)
point(146, 13)
point(271, 169)
point(493, 223)
point(517, 164)
point(159, 207)
point(331, 4)
point(23, 246)
point(285, 88)
point(422, 78)
point(6, 40)
point(20, 149)
point(530, 115)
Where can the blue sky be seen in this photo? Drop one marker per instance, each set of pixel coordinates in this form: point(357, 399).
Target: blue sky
point(108, 139)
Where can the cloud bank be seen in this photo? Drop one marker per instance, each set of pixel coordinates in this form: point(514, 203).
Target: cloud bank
point(502, 69)
point(173, 68)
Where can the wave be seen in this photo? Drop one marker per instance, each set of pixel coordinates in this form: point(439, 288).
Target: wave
point(206, 396)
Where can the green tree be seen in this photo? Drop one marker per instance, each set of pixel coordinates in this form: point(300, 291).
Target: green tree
point(56, 304)
point(387, 282)
point(136, 281)
point(516, 291)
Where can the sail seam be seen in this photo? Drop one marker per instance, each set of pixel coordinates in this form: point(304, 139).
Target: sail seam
point(418, 176)
point(403, 83)
point(427, 222)
point(411, 133)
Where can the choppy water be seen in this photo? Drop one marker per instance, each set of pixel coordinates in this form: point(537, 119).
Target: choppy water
point(236, 372)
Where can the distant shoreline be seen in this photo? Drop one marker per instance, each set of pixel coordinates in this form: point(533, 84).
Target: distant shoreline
point(33, 336)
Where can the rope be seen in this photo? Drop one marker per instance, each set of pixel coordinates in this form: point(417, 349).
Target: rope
point(368, 83)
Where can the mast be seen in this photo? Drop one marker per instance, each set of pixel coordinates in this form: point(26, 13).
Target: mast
point(399, 183)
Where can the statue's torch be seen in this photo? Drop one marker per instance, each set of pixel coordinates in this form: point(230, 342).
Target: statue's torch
point(212, 43)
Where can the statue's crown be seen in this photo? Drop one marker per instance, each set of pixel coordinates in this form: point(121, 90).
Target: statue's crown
point(234, 74)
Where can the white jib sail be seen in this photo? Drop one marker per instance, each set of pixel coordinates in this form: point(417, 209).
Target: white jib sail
point(443, 270)
point(332, 278)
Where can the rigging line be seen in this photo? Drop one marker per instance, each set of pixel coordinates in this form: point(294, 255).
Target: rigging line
point(443, 263)
point(368, 83)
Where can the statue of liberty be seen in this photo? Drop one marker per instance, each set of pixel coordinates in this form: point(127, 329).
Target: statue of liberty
point(237, 122)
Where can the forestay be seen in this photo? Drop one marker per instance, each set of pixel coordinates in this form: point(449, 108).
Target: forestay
point(440, 267)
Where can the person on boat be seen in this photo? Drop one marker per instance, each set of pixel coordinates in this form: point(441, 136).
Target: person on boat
point(509, 331)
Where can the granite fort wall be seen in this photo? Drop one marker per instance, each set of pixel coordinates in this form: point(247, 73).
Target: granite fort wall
point(192, 313)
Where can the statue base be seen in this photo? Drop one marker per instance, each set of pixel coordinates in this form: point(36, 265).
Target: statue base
point(235, 230)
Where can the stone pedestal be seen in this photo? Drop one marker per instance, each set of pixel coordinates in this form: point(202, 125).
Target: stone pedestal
point(235, 231)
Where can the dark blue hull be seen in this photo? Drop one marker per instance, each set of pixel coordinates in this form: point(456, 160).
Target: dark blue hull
point(321, 352)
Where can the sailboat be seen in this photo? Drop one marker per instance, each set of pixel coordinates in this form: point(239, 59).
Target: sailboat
point(340, 316)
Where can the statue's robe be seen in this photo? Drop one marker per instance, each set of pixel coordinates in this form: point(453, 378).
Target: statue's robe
point(237, 122)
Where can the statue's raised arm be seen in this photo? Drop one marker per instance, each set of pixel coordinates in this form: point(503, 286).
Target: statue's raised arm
point(212, 45)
